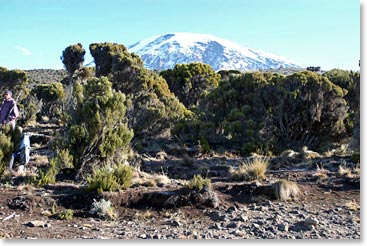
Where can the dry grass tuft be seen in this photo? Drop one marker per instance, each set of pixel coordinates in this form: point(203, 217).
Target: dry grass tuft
point(309, 154)
point(353, 205)
point(149, 180)
point(254, 169)
point(286, 190)
point(144, 215)
point(344, 171)
point(26, 189)
point(40, 160)
point(321, 174)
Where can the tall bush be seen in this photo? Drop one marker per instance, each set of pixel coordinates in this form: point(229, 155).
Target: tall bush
point(152, 107)
point(99, 131)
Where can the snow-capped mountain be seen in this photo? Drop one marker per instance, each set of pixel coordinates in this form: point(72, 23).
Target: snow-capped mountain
point(165, 51)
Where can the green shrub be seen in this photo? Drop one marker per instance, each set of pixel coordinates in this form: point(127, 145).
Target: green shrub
point(204, 144)
point(73, 57)
point(52, 96)
point(123, 174)
point(102, 179)
point(198, 182)
point(191, 82)
point(99, 128)
point(48, 176)
point(110, 179)
point(356, 157)
point(153, 108)
point(67, 214)
point(6, 148)
point(64, 159)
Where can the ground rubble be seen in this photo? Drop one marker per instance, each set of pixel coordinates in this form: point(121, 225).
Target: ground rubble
point(322, 211)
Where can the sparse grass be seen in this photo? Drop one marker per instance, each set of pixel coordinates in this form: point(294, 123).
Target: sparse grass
point(198, 183)
point(352, 173)
point(254, 169)
point(321, 174)
point(285, 190)
point(103, 209)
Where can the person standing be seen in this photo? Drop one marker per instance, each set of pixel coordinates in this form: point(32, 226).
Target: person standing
point(9, 110)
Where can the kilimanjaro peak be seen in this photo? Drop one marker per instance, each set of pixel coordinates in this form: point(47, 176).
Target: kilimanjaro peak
point(165, 51)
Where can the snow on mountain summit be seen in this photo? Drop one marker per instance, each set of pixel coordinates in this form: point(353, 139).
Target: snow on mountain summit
point(165, 51)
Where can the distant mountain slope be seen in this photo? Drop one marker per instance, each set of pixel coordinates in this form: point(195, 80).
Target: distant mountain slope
point(165, 51)
point(45, 76)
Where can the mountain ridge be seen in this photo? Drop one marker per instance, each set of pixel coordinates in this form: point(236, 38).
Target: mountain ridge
point(163, 52)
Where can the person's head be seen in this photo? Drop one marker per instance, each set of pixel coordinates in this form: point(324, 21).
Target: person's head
point(8, 94)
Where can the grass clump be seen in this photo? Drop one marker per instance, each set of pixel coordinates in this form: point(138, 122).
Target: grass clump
point(198, 182)
point(110, 179)
point(103, 209)
point(321, 174)
point(67, 214)
point(285, 190)
point(254, 169)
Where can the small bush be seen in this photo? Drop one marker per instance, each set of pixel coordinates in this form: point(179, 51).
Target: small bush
point(110, 179)
point(103, 209)
point(123, 174)
point(251, 170)
point(102, 180)
point(66, 214)
point(64, 159)
point(285, 190)
point(204, 144)
point(49, 176)
point(6, 147)
point(198, 183)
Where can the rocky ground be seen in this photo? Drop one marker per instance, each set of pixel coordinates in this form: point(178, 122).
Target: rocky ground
point(325, 209)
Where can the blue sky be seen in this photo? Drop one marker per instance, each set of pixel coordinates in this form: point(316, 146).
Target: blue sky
point(322, 33)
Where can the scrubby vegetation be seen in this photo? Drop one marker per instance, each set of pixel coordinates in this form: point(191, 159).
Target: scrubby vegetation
point(112, 119)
